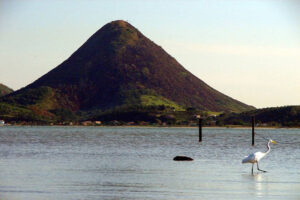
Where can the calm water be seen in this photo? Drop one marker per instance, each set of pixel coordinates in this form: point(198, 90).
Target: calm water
point(87, 163)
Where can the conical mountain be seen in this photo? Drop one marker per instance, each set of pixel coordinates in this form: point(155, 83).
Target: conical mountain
point(4, 90)
point(118, 66)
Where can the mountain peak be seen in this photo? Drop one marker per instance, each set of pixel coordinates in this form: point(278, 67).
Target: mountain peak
point(119, 33)
point(120, 23)
point(117, 25)
point(119, 67)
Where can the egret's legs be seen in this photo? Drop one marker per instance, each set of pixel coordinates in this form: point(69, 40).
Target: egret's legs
point(252, 168)
point(260, 169)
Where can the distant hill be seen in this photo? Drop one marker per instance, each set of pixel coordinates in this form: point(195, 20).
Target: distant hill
point(288, 116)
point(118, 68)
point(4, 90)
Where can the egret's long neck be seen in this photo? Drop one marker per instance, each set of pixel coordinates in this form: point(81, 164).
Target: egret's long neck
point(269, 148)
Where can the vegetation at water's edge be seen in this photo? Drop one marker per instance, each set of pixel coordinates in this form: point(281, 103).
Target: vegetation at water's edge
point(287, 116)
point(45, 105)
point(41, 106)
point(159, 112)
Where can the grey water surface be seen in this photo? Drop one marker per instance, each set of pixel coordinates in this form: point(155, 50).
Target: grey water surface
point(89, 163)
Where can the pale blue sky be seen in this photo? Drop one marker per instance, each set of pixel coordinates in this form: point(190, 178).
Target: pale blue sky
point(247, 49)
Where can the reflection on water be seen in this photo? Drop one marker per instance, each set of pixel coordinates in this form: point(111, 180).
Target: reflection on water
point(259, 186)
point(43, 163)
point(258, 180)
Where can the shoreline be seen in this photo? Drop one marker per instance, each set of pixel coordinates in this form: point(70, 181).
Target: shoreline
point(149, 126)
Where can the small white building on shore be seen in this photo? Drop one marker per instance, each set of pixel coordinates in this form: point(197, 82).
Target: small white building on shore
point(2, 122)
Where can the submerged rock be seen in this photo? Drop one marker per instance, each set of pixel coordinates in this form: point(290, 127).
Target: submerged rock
point(182, 158)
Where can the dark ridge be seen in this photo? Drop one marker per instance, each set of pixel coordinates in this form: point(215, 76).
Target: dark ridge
point(286, 116)
point(4, 90)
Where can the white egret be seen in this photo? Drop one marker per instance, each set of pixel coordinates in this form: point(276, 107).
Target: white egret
point(255, 157)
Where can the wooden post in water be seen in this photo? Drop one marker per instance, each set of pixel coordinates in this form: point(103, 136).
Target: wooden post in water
point(200, 127)
point(253, 132)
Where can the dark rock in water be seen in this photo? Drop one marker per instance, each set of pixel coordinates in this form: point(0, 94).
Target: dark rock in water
point(182, 158)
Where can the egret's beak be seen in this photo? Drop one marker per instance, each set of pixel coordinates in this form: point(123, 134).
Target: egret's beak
point(274, 142)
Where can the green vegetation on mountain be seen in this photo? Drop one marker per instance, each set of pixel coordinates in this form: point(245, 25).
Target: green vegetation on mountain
point(117, 70)
point(151, 100)
point(4, 90)
point(287, 116)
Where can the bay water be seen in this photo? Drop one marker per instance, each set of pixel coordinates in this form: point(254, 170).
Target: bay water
point(89, 163)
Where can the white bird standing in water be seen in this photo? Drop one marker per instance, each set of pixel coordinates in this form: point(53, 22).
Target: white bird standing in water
point(255, 157)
